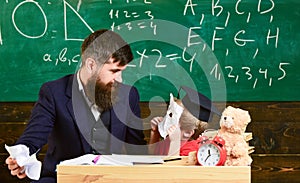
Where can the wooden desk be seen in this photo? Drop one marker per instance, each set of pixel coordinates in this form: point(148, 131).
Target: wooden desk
point(158, 173)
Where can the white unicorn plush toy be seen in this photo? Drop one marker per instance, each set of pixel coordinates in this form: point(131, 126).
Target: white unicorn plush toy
point(171, 118)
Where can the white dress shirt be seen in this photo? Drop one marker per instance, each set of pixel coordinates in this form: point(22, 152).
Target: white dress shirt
point(94, 108)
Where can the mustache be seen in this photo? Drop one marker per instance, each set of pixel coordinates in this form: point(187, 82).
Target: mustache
point(103, 95)
point(112, 85)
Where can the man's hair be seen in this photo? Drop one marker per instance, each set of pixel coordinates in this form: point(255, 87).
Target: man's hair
point(104, 44)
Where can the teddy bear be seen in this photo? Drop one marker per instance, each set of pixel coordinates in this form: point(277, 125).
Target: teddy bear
point(233, 124)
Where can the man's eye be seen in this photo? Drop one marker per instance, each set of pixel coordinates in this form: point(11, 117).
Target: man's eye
point(170, 114)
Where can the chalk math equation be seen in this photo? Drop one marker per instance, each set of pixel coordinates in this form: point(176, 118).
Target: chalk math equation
point(219, 17)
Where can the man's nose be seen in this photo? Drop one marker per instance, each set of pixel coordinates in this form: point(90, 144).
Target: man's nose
point(118, 77)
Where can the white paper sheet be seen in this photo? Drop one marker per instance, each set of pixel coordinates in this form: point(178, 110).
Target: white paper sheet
point(31, 165)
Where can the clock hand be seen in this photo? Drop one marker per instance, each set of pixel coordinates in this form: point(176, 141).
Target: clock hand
point(208, 155)
point(206, 158)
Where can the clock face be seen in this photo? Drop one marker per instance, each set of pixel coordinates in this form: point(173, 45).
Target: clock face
point(208, 155)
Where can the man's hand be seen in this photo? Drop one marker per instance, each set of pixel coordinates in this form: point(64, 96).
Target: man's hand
point(14, 168)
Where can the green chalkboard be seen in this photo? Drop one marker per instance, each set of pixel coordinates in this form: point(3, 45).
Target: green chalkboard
point(243, 50)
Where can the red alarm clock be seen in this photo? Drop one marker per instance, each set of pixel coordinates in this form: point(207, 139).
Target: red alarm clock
point(211, 152)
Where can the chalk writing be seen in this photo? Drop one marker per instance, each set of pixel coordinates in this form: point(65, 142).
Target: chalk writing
point(41, 11)
point(170, 56)
point(241, 38)
point(217, 8)
point(116, 14)
point(129, 1)
point(66, 4)
point(282, 70)
point(1, 42)
point(137, 25)
point(61, 58)
point(249, 73)
point(143, 55)
point(132, 15)
point(128, 14)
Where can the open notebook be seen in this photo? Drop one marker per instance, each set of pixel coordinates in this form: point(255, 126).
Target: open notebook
point(114, 159)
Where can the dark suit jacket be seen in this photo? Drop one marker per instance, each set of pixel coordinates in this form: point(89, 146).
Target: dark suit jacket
point(61, 120)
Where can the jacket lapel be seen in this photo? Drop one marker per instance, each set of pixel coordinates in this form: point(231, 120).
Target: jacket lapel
point(76, 107)
point(118, 124)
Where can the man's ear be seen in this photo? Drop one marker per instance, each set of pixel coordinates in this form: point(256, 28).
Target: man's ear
point(90, 65)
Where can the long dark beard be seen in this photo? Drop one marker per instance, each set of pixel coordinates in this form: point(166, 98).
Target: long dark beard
point(103, 95)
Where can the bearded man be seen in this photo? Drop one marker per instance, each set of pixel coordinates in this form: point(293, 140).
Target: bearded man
point(90, 111)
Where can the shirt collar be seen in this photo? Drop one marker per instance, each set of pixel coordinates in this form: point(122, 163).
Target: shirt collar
point(80, 87)
point(79, 82)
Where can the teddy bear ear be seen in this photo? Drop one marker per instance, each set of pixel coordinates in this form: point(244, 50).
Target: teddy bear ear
point(198, 104)
point(248, 117)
